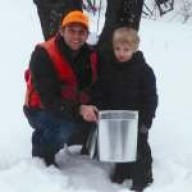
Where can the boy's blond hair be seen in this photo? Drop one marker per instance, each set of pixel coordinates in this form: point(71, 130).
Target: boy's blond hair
point(127, 35)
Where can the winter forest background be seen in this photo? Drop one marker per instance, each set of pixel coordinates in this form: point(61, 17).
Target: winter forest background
point(166, 43)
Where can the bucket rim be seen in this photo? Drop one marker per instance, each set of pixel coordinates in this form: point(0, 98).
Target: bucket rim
point(117, 111)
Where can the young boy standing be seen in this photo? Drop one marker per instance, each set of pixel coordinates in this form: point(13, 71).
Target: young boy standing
point(127, 82)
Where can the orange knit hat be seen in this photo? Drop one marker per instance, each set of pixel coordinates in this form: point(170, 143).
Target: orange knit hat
point(75, 17)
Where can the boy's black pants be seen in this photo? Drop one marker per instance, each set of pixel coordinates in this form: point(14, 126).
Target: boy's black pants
point(141, 170)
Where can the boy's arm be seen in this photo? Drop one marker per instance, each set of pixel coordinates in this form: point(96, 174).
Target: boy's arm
point(149, 97)
point(99, 92)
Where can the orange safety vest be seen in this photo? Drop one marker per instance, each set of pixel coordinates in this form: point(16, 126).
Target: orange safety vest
point(65, 74)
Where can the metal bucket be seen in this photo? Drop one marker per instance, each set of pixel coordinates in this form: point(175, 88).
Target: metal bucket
point(117, 135)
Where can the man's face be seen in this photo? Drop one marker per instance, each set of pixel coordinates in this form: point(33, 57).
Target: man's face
point(75, 35)
point(123, 52)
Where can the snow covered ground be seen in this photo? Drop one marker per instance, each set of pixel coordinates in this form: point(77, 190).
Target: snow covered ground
point(167, 47)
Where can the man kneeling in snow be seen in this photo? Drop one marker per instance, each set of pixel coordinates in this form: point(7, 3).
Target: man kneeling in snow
point(61, 73)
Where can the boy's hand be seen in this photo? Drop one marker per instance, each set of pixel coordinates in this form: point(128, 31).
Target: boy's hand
point(143, 129)
point(89, 113)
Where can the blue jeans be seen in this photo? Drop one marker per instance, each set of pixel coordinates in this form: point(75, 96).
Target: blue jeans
point(51, 133)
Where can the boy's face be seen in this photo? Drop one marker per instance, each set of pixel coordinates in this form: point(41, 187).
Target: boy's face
point(123, 52)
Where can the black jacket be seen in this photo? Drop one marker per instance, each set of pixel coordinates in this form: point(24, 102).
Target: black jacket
point(127, 86)
point(47, 84)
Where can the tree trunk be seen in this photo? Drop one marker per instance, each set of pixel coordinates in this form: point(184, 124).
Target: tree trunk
point(119, 13)
point(51, 13)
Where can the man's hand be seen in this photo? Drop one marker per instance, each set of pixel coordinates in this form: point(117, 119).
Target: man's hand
point(89, 113)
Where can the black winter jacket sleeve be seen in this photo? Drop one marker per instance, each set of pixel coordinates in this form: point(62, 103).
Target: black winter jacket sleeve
point(149, 96)
point(47, 85)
